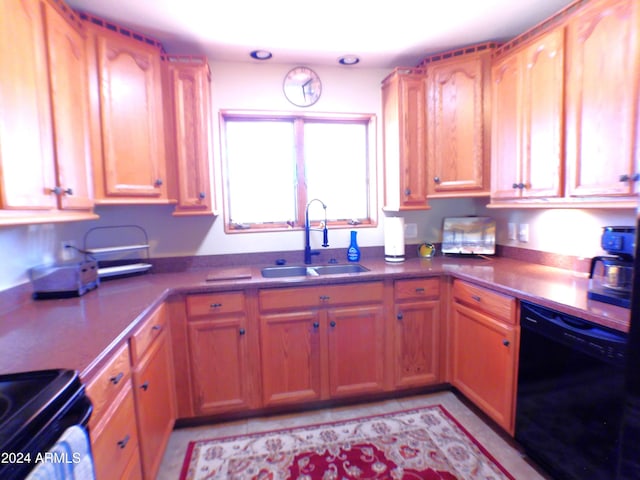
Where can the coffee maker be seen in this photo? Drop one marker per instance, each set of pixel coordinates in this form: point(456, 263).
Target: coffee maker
point(610, 277)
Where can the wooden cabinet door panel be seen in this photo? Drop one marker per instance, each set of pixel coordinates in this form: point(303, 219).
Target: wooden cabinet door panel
point(543, 93)
point(290, 349)
point(603, 67)
point(355, 350)
point(416, 343)
point(155, 401)
point(506, 152)
point(27, 174)
point(131, 114)
point(484, 353)
point(456, 126)
point(413, 179)
point(70, 96)
point(191, 114)
point(219, 364)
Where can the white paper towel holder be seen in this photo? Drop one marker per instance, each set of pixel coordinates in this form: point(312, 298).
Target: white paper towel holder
point(394, 240)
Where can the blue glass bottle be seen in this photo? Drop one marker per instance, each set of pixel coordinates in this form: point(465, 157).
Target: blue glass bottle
point(353, 252)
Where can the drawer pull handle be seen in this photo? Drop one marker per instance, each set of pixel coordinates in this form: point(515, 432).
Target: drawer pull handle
point(145, 386)
point(477, 298)
point(242, 331)
point(420, 290)
point(116, 380)
point(506, 342)
point(324, 298)
point(156, 327)
point(216, 305)
point(123, 443)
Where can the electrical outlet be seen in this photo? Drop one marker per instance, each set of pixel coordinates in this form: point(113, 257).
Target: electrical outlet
point(411, 230)
point(512, 231)
point(523, 232)
point(68, 250)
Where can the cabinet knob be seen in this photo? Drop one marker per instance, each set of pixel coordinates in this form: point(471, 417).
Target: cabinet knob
point(316, 324)
point(156, 327)
point(332, 323)
point(242, 331)
point(506, 342)
point(515, 185)
point(145, 386)
point(399, 316)
point(202, 195)
point(407, 191)
point(477, 298)
point(68, 191)
point(624, 178)
point(158, 182)
point(436, 179)
point(123, 443)
point(116, 380)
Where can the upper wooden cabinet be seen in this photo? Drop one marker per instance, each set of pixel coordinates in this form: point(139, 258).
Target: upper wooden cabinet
point(405, 136)
point(603, 68)
point(127, 116)
point(458, 124)
point(44, 137)
point(188, 133)
point(528, 149)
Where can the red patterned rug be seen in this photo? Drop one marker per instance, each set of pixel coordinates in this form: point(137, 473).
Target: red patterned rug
point(426, 443)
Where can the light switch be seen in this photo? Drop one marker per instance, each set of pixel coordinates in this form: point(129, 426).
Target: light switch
point(512, 231)
point(523, 232)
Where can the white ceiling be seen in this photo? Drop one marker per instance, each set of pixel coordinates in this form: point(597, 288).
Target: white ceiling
point(383, 33)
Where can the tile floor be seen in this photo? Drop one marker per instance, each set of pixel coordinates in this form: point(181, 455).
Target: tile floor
point(502, 451)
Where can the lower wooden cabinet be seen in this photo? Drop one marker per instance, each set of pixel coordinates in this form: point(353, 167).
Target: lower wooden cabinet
point(112, 426)
point(220, 347)
point(321, 342)
point(416, 332)
point(484, 349)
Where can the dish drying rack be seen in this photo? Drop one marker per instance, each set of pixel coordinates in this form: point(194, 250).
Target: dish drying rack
point(114, 260)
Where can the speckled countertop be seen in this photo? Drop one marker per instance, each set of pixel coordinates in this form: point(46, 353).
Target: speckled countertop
point(79, 333)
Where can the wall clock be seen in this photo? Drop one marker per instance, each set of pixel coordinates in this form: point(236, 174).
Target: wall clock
point(302, 86)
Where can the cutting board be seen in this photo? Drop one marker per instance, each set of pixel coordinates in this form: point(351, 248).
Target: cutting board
point(231, 273)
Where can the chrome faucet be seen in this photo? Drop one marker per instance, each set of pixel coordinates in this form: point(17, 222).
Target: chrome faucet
point(307, 228)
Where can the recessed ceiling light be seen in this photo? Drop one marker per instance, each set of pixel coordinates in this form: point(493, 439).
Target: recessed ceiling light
point(261, 55)
point(348, 60)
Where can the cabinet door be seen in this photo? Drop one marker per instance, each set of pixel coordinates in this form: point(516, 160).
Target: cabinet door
point(70, 97)
point(355, 352)
point(416, 343)
point(543, 93)
point(27, 173)
point(484, 355)
point(290, 347)
point(131, 118)
point(155, 403)
point(603, 67)
point(191, 105)
point(219, 364)
point(506, 151)
point(458, 153)
point(405, 137)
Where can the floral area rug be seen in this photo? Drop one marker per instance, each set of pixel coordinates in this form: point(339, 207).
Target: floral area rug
point(426, 443)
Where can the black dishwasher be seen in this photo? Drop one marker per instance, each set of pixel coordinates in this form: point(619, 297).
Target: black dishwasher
point(570, 393)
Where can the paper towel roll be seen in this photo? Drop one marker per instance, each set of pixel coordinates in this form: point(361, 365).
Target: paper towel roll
point(394, 239)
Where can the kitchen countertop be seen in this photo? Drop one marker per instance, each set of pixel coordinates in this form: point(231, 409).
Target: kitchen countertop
point(79, 333)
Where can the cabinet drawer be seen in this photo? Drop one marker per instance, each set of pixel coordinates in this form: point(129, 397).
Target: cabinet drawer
point(496, 305)
point(116, 445)
point(417, 289)
point(105, 386)
point(215, 304)
point(147, 333)
point(320, 296)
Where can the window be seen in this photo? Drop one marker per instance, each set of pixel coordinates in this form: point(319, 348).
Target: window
point(275, 164)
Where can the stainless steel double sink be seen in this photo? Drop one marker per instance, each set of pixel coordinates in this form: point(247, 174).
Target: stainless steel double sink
point(282, 271)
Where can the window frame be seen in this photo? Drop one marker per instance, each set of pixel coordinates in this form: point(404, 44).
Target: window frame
point(298, 119)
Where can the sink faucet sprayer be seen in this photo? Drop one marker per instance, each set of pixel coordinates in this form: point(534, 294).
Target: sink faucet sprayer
point(307, 228)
